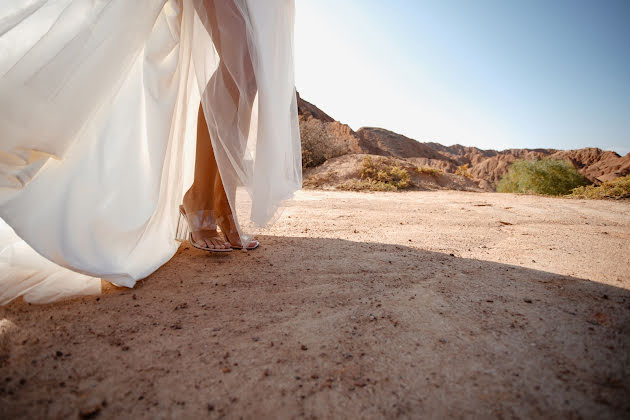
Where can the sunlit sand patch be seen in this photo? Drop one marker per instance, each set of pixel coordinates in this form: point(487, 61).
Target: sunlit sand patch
point(6, 326)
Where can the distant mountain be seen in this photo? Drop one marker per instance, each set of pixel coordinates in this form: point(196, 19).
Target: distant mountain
point(308, 110)
point(485, 166)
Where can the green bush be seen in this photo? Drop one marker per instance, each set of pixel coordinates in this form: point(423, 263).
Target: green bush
point(615, 190)
point(545, 176)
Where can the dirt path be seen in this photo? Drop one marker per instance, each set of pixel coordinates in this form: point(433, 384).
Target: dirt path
point(424, 304)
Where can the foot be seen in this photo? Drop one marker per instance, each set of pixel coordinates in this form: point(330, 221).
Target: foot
point(204, 234)
point(211, 239)
point(194, 200)
point(228, 227)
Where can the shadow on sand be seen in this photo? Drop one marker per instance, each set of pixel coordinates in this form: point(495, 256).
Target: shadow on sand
point(309, 327)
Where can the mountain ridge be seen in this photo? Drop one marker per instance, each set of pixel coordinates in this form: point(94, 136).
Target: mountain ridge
point(485, 166)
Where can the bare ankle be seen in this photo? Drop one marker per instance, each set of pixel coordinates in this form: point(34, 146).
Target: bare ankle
point(196, 199)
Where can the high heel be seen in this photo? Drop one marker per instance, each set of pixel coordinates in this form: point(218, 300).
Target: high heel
point(183, 231)
point(254, 244)
point(200, 220)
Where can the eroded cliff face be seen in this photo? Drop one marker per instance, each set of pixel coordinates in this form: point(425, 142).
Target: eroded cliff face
point(486, 167)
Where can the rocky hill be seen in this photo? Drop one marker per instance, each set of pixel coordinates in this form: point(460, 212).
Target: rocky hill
point(324, 139)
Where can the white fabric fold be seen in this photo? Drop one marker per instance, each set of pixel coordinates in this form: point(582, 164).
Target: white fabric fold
point(98, 108)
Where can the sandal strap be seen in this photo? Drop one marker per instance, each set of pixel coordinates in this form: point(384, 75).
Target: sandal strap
point(229, 221)
point(201, 220)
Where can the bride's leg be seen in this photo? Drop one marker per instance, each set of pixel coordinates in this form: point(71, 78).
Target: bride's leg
point(207, 191)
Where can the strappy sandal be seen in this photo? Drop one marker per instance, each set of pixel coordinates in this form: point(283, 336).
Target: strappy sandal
point(198, 221)
point(253, 244)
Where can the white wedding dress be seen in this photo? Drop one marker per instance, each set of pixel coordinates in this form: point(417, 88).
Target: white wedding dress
point(98, 111)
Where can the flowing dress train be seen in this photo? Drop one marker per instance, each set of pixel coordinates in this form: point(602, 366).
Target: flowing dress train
point(98, 107)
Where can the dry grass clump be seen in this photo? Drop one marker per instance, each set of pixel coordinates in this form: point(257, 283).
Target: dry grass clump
point(318, 181)
point(379, 175)
point(366, 185)
point(384, 171)
point(609, 190)
point(322, 141)
point(463, 171)
point(428, 170)
point(544, 176)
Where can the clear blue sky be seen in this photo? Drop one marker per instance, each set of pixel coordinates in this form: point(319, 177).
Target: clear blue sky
point(488, 73)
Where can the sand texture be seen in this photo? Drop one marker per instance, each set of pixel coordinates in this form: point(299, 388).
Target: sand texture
point(357, 305)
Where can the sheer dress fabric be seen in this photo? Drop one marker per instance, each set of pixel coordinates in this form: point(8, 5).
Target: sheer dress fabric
point(98, 113)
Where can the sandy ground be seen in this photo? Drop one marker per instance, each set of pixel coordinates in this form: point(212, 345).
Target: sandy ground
point(358, 305)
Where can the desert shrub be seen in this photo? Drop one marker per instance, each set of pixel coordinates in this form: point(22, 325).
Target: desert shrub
point(321, 141)
point(615, 190)
point(384, 171)
point(366, 185)
point(319, 180)
point(463, 171)
point(427, 170)
point(545, 176)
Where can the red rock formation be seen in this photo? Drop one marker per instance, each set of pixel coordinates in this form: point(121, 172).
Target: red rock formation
point(595, 164)
point(307, 109)
point(486, 166)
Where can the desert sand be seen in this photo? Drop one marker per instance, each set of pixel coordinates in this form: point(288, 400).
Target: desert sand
point(357, 305)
